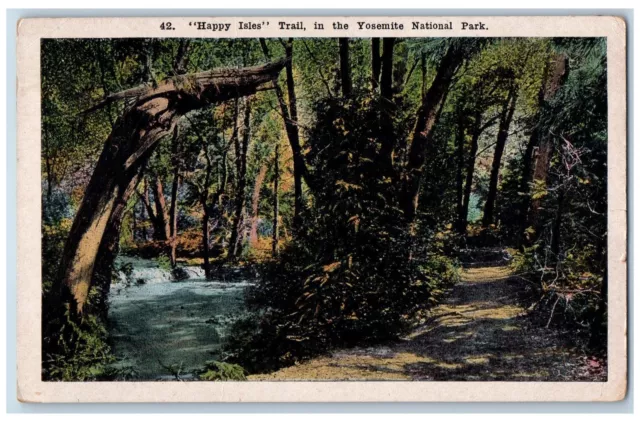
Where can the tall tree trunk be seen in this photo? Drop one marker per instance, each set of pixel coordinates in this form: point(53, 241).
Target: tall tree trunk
point(471, 164)
point(387, 107)
point(423, 73)
point(49, 177)
point(204, 196)
point(156, 222)
point(345, 69)
point(173, 208)
point(134, 224)
point(234, 249)
point(205, 242)
point(540, 173)
point(375, 62)
point(386, 75)
point(555, 73)
point(255, 203)
point(503, 133)
point(161, 210)
point(152, 116)
point(290, 116)
point(276, 180)
point(460, 135)
point(144, 236)
point(423, 132)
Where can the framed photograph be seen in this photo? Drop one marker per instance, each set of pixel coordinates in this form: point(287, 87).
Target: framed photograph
point(348, 209)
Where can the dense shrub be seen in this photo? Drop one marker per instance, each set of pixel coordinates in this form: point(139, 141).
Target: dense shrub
point(221, 371)
point(356, 274)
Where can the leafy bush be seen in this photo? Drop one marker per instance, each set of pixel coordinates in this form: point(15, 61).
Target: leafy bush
point(77, 351)
point(222, 371)
point(164, 262)
point(357, 273)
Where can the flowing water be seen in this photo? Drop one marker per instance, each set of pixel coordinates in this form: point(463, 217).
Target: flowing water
point(161, 327)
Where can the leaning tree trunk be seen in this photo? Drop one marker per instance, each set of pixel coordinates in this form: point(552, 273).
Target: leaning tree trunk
point(151, 117)
point(424, 128)
point(503, 134)
point(109, 246)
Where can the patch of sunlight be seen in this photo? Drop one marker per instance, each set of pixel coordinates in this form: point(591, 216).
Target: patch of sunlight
point(453, 337)
point(536, 374)
point(484, 274)
point(478, 360)
point(500, 312)
point(510, 328)
point(512, 357)
point(445, 365)
point(349, 367)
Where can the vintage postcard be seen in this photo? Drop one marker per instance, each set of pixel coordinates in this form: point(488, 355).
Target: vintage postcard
point(322, 209)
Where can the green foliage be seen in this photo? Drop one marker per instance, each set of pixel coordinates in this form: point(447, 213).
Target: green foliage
point(164, 262)
point(355, 273)
point(82, 352)
point(221, 371)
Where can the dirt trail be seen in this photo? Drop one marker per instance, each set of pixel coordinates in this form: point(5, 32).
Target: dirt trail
point(478, 333)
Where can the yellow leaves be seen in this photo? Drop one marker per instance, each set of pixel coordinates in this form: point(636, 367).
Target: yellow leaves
point(348, 186)
point(539, 194)
point(586, 275)
point(331, 267)
point(584, 181)
point(340, 125)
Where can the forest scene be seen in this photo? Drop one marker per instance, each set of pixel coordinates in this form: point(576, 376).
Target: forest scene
point(429, 209)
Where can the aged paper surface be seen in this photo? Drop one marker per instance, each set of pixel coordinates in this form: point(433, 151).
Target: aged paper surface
point(31, 387)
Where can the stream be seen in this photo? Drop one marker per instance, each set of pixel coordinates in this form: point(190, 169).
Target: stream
point(161, 327)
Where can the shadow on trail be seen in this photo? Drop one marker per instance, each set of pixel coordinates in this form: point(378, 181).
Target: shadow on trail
point(481, 332)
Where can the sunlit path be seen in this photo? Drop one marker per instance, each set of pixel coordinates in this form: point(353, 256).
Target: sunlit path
point(480, 332)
